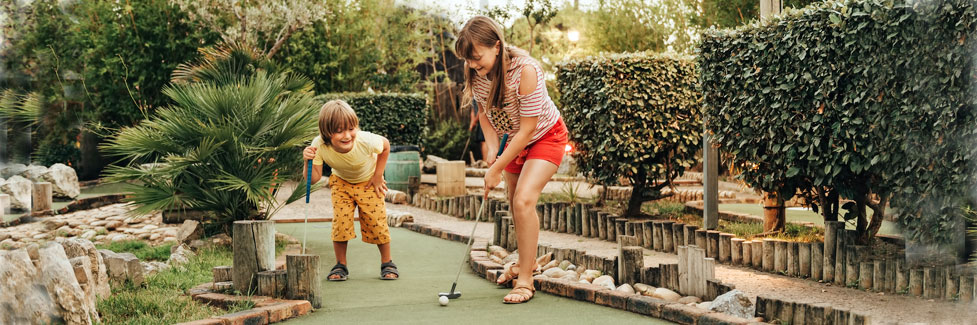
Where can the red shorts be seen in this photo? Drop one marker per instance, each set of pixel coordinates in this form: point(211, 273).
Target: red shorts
point(551, 147)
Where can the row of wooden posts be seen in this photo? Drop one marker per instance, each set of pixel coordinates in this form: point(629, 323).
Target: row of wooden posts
point(253, 272)
point(785, 312)
point(837, 259)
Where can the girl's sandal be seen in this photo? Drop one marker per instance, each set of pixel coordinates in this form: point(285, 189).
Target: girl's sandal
point(510, 271)
point(526, 292)
point(340, 270)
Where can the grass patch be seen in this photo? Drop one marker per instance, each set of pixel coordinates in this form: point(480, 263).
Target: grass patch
point(141, 249)
point(162, 301)
point(745, 230)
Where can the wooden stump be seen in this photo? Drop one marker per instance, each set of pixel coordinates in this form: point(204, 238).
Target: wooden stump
point(700, 239)
point(253, 244)
point(951, 283)
point(678, 236)
point(42, 196)
point(865, 271)
point(793, 258)
point(632, 261)
point(967, 287)
point(272, 283)
point(656, 236)
point(303, 278)
point(769, 255)
point(841, 256)
point(668, 240)
point(916, 282)
point(931, 278)
point(712, 244)
point(817, 261)
point(725, 249)
point(602, 225)
point(451, 178)
point(511, 237)
point(222, 274)
point(690, 235)
point(757, 256)
point(611, 227)
point(902, 277)
point(830, 239)
point(780, 256)
point(646, 232)
point(736, 251)
point(878, 276)
point(620, 226)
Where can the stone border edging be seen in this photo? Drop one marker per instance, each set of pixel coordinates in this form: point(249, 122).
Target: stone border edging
point(266, 310)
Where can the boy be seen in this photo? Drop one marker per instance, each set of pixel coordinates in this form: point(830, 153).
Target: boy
point(357, 159)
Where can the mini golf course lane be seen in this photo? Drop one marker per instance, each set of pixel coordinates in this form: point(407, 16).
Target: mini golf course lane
point(428, 266)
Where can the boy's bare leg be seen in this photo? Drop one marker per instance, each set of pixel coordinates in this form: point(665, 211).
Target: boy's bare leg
point(535, 174)
point(385, 257)
point(339, 247)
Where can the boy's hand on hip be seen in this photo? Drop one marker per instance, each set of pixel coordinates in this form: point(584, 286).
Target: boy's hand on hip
point(379, 185)
point(309, 152)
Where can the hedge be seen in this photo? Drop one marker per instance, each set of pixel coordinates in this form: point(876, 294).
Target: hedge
point(869, 100)
point(632, 115)
point(399, 117)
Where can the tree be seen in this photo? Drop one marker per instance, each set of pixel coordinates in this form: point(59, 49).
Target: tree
point(266, 24)
point(537, 13)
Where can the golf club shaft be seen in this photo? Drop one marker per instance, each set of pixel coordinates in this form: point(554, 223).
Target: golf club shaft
point(308, 192)
point(481, 210)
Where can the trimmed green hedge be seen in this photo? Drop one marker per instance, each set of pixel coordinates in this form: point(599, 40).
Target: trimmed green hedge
point(632, 115)
point(869, 100)
point(399, 117)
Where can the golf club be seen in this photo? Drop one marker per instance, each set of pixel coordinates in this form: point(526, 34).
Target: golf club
point(452, 294)
point(308, 192)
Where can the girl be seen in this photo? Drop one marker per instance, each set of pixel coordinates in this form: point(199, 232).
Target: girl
point(509, 87)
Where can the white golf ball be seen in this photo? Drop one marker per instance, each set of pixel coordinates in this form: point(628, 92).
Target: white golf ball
point(443, 300)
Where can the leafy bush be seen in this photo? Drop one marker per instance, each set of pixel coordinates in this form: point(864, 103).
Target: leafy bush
point(866, 100)
point(225, 143)
point(447, 140)
point(399, 117)
point(634, 116)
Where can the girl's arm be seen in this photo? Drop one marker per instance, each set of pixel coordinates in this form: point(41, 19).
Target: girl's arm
point(491, 138)
point(527, 124)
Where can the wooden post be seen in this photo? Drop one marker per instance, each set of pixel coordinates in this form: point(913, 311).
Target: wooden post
point(620, 226)
point(451, 178)
point(632, 261)
point(769, 255)
point(967, 287)
point(804, 259)
point(656, 236)
point(690, 235)
point(830, 239)
point(700, 239)
point(736, 251)
point(504, 237)
point(42, 196)
point(748, 253)
point(222, 274)
point(303, 278)
point(865, 270)
point(930, 286)
point(678, 236)
point(272, 283)
point(253, 246)
point(916, 282)
point(602, 225)
point(817, 262)
point(712, 238)
point(757, 256)
point(668, 240)
point(724, 247)
point(646, 232)
point(841, 243)
point(611, 227)
point(952, 281)
point(511, 236)
point(902, 277)
point(792, 258)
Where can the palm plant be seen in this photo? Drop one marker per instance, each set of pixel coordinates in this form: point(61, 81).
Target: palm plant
point(227, 140)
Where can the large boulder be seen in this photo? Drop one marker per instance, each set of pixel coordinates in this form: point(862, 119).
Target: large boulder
point(58, 276)
point(734, 303)
point(19, 189)
point(34, 172)
point(98, 279)
point(180, 256)
point(12, 169)
point(64, 181)
point(22, 300)
point(121, 267)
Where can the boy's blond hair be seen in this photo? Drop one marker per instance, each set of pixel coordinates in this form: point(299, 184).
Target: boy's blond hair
point(334, 117)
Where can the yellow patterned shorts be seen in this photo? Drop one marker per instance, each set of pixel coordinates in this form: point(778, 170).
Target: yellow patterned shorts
point(346, 197)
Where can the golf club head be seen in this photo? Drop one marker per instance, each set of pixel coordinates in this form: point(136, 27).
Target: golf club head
point(450, 295)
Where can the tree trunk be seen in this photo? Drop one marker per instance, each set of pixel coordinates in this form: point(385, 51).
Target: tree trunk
point(253, 246)
point(774, 215)
point(878, 214)
point(637, 198)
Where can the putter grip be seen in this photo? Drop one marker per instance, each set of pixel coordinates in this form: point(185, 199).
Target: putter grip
point(308, 180)
point(505, 137)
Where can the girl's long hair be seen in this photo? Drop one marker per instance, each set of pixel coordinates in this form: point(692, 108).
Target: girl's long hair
point(486, 32)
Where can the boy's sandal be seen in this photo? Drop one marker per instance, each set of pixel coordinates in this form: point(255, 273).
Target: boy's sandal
point(526, 292)
point(387, 269)
point(339, 270)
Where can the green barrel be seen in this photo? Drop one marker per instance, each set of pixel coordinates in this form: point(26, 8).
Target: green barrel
point(400, 167)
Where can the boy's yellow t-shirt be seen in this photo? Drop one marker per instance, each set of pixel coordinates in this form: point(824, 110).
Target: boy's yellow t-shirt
point(355, 166)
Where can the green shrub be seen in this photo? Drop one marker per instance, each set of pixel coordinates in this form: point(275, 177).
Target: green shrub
point(399, 117)
point(866, 100)
point(447, 140)
point(634, 116)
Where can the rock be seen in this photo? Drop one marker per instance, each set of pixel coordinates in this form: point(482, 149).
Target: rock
point(58, 276)
point(41, 236)
point(665, 294)
point(150, 227)
point(396, 197)
point(643, 288)
point(590, 275)
point(19, 189)
point(626, 288)
point(64, 181)
point(180, 256)
point(564, 265)
point(189, 231)
point(100, 237)
point(571, 267)
point(221, 240)
point(605, 281)
point(12, 169)
point(554, 273)
point(155, 237)
point(52, 224)
point(89, 235)
point(689, 300)
point(99, 223)
point(583, 281)
point(431, 163)
point(514, 257)
point(497, 251)
point(704, 305)
point(4, 236)
point(24, 300)
point(119, 237)
point(144, 236)
point(197, 244)
point(495, 259)
point(550, 265)
point(65, 230)
point(152, 267)
point(98, 278)
point(280, 237)
point(734, 303)
point(571, 276)
point(113, 225)
point(122, 267)
point(82, 268)
point(34, 172)
point(101, 230)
